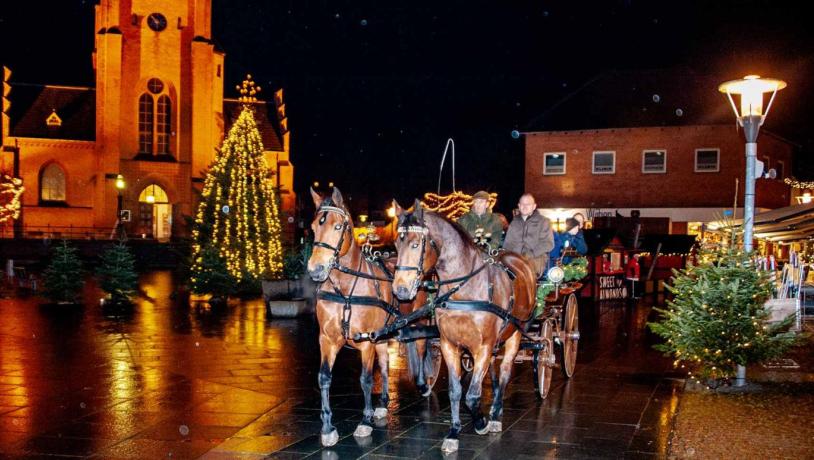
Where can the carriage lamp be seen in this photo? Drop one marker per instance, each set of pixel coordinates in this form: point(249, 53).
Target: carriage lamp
point(555, 275)
point(751, 90)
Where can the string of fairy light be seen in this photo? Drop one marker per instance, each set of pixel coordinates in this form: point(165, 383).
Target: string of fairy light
point(452, 206)
point(245, 232)
point(799, 184)
point(11, 189)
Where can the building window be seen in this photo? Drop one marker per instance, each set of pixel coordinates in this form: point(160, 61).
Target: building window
point(145, 124)
point(707, 160)
point(52, 183)
point(604, 163)
point(155, 120)
point(554, 163)
point(781, 170)
point(654, 161)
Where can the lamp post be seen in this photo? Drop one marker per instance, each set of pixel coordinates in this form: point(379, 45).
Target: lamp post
point(751, 116)
point(120, 185)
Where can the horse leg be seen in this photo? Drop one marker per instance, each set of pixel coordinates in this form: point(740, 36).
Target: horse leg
point(365, 427)
point(415, 364)
point(328, 347)
point(452, 356)
point(384, 365)
point(510, 350)
point(481, 362)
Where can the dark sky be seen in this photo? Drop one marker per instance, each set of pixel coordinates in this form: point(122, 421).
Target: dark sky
point(374, 88)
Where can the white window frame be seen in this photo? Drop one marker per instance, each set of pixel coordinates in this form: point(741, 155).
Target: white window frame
point(717, 163)
point(564, 164)
point(664, 167)
point(603, 152)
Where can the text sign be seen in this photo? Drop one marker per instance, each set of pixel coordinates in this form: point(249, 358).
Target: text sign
point(612, 287)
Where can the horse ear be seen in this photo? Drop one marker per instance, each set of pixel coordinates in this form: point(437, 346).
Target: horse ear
point(398, 208)
point(316, 197)
point(337, 198)
point(418, 210)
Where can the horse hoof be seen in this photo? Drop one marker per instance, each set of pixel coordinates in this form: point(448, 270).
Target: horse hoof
point(483, 430)
point(427, 393)
point(329, 439)
point(425, 390)
point(380, 412)
point(363, 431)
point(495, 426)
point(449, 446)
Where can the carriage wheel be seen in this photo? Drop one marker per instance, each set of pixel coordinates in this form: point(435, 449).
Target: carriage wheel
point(432, 363)
point(569, 336)
point(467, 362)
point(544, 360)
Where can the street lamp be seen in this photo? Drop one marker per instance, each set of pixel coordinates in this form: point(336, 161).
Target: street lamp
point(751, 116)
point(120, 185)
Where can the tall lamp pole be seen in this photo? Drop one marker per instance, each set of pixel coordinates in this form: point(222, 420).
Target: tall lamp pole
point(751, 116)
point(120, 185)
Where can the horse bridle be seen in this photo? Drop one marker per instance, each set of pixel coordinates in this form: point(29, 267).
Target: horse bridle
point(345, 223)
point(424, 232)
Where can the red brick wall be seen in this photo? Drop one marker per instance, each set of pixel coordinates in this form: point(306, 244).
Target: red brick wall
point(628, 187)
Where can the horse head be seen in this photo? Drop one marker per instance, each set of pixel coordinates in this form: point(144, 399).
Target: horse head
point(417, 252)
point(333, 234)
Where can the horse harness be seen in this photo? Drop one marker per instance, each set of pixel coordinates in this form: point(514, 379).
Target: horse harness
point(348, 300)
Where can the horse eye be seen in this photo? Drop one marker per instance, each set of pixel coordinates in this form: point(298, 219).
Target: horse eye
point(337, 227)
point(322, 220)
point(414, 246)
point(401, 236)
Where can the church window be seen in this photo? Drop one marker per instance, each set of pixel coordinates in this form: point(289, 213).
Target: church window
point(155, 120)
point(52, 183)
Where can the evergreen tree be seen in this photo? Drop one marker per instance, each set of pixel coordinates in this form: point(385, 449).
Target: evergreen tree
point(63, 278)
point(117, 273)
point(212, 277)
point(717, 319)
point(238, 217)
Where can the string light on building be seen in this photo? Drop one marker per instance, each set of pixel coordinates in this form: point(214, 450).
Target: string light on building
point(11, 189)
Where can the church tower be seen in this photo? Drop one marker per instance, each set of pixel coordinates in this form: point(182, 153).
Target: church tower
point(159, 107)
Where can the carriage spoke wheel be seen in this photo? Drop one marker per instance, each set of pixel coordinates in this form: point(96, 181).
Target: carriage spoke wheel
point(544, 360)
point(432, 363)
point(467, 362)
point(569, 336)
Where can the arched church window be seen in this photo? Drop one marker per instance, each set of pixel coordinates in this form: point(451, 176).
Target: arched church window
point(145, 124)
point(52, 183)
point(162, 125)
point(155, 120)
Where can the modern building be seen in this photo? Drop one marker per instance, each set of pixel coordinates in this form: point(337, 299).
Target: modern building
point(663, 144)
point(156, 116)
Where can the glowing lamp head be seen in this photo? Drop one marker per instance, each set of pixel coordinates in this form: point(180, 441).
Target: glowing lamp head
point(751, 89)
point(120, 184)
point(391, 212)
point(806, 198)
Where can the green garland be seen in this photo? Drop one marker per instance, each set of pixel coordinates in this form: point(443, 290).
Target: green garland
point(574, 270)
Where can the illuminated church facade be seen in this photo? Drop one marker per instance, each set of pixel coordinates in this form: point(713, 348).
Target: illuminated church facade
point(156, 116)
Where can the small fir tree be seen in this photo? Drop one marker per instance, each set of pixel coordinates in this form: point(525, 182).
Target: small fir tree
point(717, 319)
point(238, 215)
point(63, 278)
point(117, 273)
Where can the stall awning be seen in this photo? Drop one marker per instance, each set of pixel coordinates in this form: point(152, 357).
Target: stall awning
point(784, 224)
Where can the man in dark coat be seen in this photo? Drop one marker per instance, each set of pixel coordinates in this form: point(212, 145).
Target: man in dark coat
point(530, 234)
point(482, 225)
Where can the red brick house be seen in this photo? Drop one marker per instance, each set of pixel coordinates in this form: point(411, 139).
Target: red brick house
point(663, 144)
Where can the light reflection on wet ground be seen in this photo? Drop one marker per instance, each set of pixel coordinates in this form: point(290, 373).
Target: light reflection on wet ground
point(164, 378)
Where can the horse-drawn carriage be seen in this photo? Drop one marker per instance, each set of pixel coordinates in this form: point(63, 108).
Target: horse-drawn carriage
point(458, 298)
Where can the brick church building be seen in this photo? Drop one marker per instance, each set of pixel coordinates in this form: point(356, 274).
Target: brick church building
point(155, 116)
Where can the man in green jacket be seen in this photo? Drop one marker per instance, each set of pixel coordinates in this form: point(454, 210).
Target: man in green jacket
point(481, 224)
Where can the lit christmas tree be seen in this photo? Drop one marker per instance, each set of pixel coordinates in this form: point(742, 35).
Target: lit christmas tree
point(717, 319)
point(238, 214)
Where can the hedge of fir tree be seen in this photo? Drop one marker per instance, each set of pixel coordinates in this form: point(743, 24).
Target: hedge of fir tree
point(63, 279)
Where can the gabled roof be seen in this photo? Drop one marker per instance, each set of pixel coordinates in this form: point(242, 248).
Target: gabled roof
point(267, 122)
point(31, 105)
point(626, 99)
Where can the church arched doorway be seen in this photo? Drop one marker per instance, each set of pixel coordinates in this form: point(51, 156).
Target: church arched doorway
point(155, 213)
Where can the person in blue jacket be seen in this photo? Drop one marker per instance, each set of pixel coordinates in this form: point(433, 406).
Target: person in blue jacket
point(572, 238)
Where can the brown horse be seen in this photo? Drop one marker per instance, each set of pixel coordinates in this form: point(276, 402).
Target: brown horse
point(475, 290)
point(355, 296)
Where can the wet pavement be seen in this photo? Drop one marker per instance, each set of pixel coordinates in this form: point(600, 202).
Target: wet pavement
point(166, 380)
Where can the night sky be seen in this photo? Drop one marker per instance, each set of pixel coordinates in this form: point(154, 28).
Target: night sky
point(374, 91)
